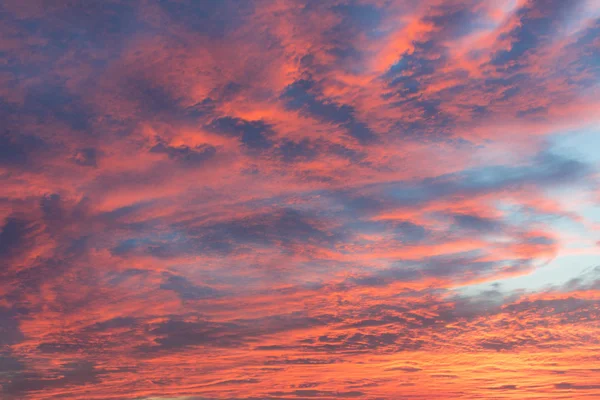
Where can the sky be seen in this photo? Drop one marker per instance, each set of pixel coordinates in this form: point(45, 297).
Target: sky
point(281, 199)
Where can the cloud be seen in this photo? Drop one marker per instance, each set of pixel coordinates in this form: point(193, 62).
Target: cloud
point(13, 236)
point(214, 20)
point(570, 386)
point(405, 369)
point(186, 289)
point(309, 393)
point(86, 157)
point(19, 150)
point(475, 222)
point(185, 155)
point(72, 374)
point(298, 199)
point(255, 135)
point(536, 19)
point(299, 96)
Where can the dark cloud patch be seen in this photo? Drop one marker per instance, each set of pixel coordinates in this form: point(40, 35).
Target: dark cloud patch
point(186, 156)
point(60, 347)
point(573, 386)
point(404, 369)
point(347, 153)
point(538, 19)
point(9, 365)
point(286, 322)
point(524, 39)
point(86, 157)
point(82, 26)
point(20, 150)
point(457, 268)
point(308, 385)
point(444, 376)
point(58, 214)
point(510, 93)
point(236, 382)
point(52, 208)
point(310, 393)
point(358, 203)
point(214, 19)
point(357, 17)
point(291, 151)
point(115, 215)
point(358, 342)
point(565, 311)
point(589, 280)
point(9, 327)
point(298, 96)
point(509, 344)
point(118, 277)
point(164, 248)
point(302, 95)
point(125, 247)
point(355, 20)
point(229, 90)
point(14, 236)
point(177, 334)
point(532, 112)
point(43, 271)
point(475, 223)
point(409, 79)
point(301, 361)
point(202, 109)
point(408, 74)
point(380, 321)
point(102, 19)
point(113, 324)
point(152, 98)
point(54, 101)
point(84, 36)
point(453, 21)
point(409, 232)
point(72, 374)
point(504, 387)
point(586, 70)
point(187, 290)
point(272, 347)
point(540, 240)
point(285, 227)
point(255, 135)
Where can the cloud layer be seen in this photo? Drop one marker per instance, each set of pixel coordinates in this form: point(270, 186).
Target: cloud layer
point(299, 199)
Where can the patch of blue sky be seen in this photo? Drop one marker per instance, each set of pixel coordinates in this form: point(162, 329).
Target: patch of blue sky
point(579, 238)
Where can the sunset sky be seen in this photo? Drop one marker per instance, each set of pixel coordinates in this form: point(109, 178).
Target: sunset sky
point(317, 199)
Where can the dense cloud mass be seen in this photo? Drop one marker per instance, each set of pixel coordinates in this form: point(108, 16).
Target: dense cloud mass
point(293, 199)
